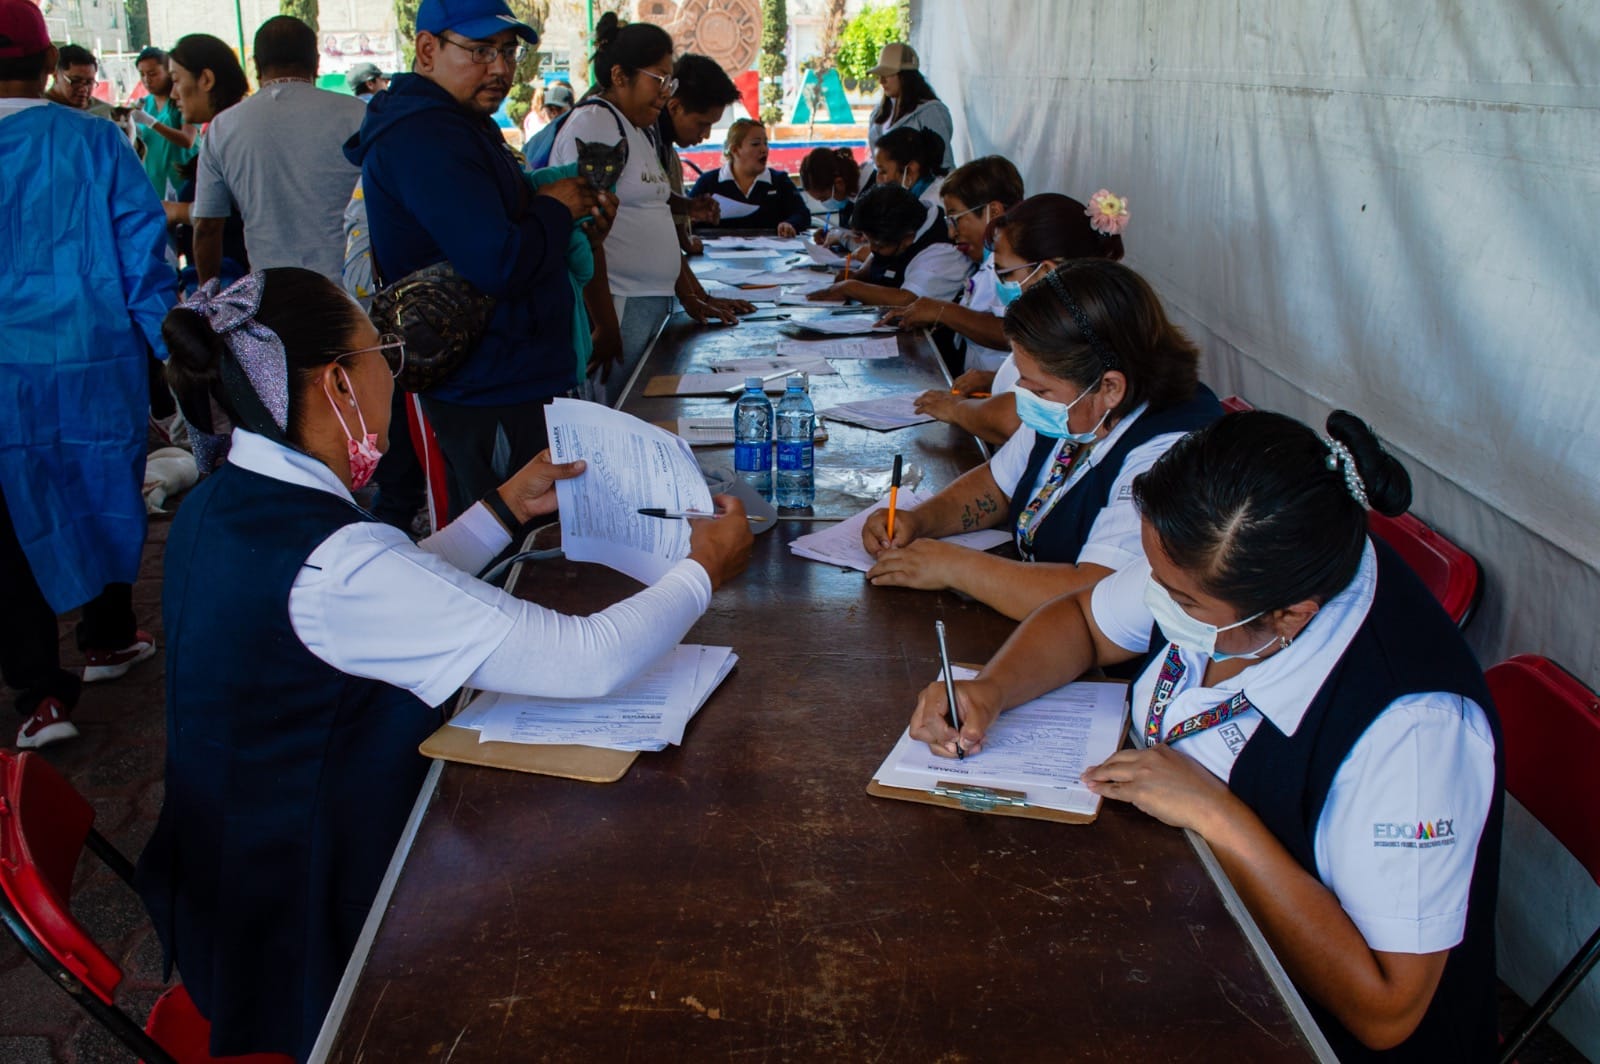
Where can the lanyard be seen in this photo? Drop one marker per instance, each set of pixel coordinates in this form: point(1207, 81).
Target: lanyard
point(1064, 473)
point(1172, 669)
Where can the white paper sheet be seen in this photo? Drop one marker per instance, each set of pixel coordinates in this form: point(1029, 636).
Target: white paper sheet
point(840, 544)
point(814, 363)
point(732, 208)
point(873, 348)
point(718, 431)
point(882, 414)
point(771, 245)
point(790, 280)
point(1041, 748)
point(632, 464)
point(728, 275)
point(798, 298)
point(823, 256)
point(845, 324)
point(724, 383)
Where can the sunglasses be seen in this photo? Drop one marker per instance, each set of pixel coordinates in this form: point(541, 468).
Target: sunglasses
point(391, 346)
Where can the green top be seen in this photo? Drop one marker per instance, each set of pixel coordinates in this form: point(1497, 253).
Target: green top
point(164, 160)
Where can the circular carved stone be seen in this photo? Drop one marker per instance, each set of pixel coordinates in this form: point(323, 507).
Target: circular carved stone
point(728, 31)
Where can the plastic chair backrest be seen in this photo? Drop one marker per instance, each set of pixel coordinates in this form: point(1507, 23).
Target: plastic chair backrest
point(1236, 404)
point(43, 824)
point(1551, 724)
point(1448, 571)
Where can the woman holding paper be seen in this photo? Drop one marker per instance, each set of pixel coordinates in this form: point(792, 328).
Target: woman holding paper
point(308, 644)
point(1307, 707)
point(1107, 385)
point(746, 180)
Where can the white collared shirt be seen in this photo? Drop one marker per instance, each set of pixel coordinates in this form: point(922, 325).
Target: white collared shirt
point(1428, 760)
point(981, 294)
point(1006, 378)
point(939, 271)
point(1114, 538)
point(764, 177)
point(371, 603)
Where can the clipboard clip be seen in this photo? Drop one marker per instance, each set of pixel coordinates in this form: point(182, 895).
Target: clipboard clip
point(980, 799)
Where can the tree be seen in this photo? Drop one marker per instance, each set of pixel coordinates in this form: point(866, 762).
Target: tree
point(405, 17)
point(774, 38)
point(864, 37)
point(138, 25)
point(304, 10)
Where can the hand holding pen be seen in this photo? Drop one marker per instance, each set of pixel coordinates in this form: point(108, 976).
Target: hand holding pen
point(949, 688)
point(721, 542)
point(977, 706)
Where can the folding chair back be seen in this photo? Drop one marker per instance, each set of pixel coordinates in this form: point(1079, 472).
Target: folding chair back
point(1450, 573)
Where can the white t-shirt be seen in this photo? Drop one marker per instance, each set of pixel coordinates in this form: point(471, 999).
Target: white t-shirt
point(1426, 762)
point(371, 603)
point(279, 155)
point(939, 271)
point(1114, 537)
point(981, 295)
point(642, 253)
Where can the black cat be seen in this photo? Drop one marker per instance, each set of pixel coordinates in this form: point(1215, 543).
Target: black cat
point(602, 164)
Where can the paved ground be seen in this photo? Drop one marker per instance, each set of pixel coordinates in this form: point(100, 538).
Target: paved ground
point(117, 765)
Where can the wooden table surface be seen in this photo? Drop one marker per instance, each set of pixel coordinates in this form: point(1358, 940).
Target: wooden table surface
point(741, 896)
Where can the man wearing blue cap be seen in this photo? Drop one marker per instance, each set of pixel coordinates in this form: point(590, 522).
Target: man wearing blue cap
point(442, 186)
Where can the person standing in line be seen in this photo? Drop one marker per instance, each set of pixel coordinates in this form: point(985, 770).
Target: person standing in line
point(87, 286)
point(279, 156)
point(365, 79)
point(704, 92)
point(908, 100)
point(169, 141)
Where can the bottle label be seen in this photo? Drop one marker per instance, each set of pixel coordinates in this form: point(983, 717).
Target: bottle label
point(794, 456)
point(752, 457)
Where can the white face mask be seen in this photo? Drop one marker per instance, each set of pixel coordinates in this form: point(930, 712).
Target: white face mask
point(1187, 632)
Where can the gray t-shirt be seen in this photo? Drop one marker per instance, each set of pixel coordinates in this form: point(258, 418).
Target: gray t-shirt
point(279, 155)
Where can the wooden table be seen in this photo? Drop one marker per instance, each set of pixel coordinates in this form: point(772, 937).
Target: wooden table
point(742, 897)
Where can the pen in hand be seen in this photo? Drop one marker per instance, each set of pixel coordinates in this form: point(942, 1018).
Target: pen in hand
point(894, 495)
point(950, 689)
point(683, 515)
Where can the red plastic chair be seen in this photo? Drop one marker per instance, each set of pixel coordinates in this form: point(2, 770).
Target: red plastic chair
point(1450, 573)
point(1236, 404)
point(426, 447)
point(44, 827)
point(1551, 725)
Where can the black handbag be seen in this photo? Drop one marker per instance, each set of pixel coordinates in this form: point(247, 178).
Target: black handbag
point(441, 316)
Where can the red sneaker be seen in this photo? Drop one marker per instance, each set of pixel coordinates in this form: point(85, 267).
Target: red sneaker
point(49, 724)
point(110, 664)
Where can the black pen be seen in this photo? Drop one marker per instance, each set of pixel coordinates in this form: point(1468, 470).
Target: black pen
point(682, 515)
point(950, 689)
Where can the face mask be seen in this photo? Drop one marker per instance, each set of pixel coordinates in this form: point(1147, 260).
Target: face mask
point(1011, 291)
point(364, 453)
point(1050, 419)
point(919, 187)
point(1184, 630)
point(835, 204)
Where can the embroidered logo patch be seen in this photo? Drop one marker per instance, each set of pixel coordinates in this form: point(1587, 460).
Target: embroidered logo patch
point(1421, 835)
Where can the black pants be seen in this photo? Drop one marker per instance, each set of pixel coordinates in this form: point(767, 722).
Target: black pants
point(483, 445)
point(30, 653)
point(402, 485)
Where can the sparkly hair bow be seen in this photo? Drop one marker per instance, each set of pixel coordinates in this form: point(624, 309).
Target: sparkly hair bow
point(255, 348)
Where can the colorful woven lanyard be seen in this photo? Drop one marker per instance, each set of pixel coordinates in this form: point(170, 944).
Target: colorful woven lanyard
point(1166, 682)
point(1063, 472)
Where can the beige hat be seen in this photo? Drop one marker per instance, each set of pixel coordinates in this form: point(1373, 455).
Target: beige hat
point(894, 59)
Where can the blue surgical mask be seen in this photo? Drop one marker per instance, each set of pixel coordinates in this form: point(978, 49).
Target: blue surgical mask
point(835, 204)
point(920, 186)
point(1193, 635)
point(1050, 419)
point(1011, 291)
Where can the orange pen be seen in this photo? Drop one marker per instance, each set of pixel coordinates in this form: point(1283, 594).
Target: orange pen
point(894, 494)
point(970, 395)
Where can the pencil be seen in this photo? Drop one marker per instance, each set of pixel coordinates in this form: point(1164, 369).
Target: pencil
point(894, 496)
point(970, 395)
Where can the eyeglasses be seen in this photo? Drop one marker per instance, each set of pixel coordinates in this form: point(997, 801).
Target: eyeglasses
point(390, 345)
point(668, 86)
point(83, 83)
point(484, 54)
point(952, 219)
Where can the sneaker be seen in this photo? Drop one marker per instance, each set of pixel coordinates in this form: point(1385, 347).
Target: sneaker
point(110, 664)
point(49, 724)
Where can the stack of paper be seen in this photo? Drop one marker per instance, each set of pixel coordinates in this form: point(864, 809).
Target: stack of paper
point(798, 298)
point(844, 325)
point(813, 362)
point(790, 280)
point(1041, 748)
point(823, 256)
point(717, 431)
point(882, 414)
point(632, 464)
point(871, 348)
point(841, 544)
point(772, 245)
point(647, 714)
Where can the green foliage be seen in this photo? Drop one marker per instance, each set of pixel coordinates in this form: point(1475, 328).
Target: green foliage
point(138, 24)
point(304, 10)
point(865, 35)
point(519, 102)
point(405, 18)
point(774, 38)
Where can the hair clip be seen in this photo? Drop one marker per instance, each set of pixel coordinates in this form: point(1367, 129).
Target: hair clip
point(1339, 454)
point(1108, 212)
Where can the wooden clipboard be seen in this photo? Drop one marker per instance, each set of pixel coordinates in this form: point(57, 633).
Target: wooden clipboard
point(666, 384)
point(1031, 812)
point(588, 763)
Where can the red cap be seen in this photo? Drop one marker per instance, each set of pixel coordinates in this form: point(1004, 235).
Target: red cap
point(22, 29)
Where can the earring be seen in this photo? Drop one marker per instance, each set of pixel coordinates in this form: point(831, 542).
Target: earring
point(1283, 642)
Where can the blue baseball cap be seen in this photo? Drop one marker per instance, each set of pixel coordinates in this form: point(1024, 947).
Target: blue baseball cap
point(474, 19)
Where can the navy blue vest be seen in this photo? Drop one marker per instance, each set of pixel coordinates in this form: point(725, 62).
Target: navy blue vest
point(890, 270)
point(1406, 646)
point(288, 782)
point(1060, 538)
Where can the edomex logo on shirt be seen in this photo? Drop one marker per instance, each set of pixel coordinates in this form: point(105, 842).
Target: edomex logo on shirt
point(1418, 835)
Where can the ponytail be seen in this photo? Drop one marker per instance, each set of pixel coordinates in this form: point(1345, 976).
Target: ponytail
point(631, 47)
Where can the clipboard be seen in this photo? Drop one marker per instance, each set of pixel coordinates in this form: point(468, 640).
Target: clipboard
point(590, 764)
point(968, 798)
point(665, 385)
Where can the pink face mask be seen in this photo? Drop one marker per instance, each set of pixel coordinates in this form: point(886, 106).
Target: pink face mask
point(364, 453)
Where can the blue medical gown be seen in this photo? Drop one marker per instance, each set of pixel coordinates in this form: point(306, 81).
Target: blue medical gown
point(83, 287)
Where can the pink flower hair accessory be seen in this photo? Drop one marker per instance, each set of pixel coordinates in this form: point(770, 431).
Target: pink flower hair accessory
point(1108, 212)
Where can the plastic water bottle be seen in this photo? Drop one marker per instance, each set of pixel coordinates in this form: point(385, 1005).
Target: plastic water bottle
point(752, 437)
point(797, 419)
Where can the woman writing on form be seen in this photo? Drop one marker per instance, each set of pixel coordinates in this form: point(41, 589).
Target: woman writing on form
point(1307, 707)
point(296, 701)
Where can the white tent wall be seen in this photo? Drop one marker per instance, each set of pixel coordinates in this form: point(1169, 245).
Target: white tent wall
point(1391, 208)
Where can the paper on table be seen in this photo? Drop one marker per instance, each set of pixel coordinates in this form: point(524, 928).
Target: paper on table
point(840, 544)
point(721, 384)
point(845, 325)
point(729, 275)
point(718, 431)
point(823, 256)
point(790, 280)
point(876, 347)
point(732, 208)
point(814, 363)
point(646, 714)
point(1041, 748)
point(772, 245)
point(632, 464)
point(797, 298)
point(884, 413)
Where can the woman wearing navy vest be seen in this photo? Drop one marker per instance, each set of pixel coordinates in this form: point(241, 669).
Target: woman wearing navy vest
point(1107, 385)
point(912, 253)
point(308, 643)
point(746, 178)
point(1308, 708)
